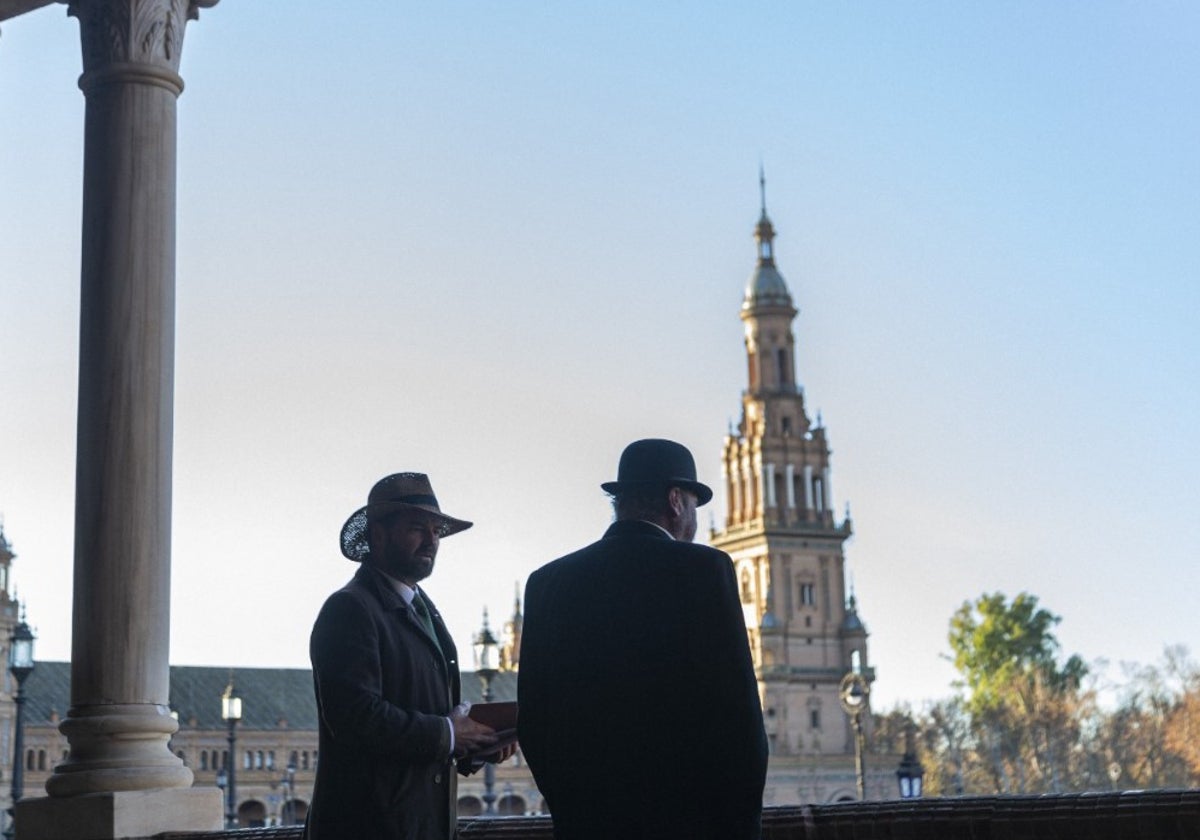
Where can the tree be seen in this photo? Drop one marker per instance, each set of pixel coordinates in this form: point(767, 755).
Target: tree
point(1002, 648)
point(1024, 708)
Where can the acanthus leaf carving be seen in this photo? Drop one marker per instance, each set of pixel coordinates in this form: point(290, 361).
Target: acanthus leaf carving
point(132, 31)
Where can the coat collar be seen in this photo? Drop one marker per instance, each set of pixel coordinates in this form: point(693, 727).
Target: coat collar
point(638, 528)
point(375, 582)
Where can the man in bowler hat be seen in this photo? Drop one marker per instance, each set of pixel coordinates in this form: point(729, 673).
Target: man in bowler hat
point(386, 676)
point(639, 708)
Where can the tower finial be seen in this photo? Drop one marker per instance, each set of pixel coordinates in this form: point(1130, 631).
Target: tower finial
point(763, 232)
point(762, 187)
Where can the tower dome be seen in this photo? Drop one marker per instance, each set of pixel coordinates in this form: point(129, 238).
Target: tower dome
point(766, 287)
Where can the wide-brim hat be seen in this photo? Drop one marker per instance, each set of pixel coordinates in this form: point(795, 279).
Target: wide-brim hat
point(658, 462)
point(400, 491)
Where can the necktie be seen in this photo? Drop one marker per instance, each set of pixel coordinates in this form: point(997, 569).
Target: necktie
point(422, 611)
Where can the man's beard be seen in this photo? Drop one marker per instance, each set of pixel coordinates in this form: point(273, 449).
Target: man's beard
point(406, 567)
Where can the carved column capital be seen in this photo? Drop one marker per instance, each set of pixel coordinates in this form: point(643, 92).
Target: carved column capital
point(143, 38)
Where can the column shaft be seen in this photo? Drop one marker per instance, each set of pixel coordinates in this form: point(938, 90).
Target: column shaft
point(120, 778)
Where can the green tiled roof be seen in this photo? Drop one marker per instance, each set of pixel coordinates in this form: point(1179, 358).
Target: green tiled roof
point(269, 695)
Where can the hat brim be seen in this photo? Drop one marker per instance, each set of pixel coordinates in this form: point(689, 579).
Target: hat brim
point(356, 532)
point(702, 491)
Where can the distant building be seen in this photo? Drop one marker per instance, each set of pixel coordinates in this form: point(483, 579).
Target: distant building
point(787, 547)
point(510, 637)
point(278, 730)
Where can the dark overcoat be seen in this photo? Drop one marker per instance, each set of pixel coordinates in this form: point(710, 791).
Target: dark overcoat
point(639, 707)
point(383, 694)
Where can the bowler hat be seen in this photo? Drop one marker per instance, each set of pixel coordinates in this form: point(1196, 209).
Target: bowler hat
point(397, 492)
point(656, 461)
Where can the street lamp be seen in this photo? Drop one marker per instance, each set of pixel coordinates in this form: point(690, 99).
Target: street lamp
point(231, 711)
point(487, 665)
point(853, 693)
point(289, 794)
point(20, 665)
point(910, 772)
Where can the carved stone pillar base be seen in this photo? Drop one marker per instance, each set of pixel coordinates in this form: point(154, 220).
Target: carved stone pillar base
point(124, 814)
point(118, 747)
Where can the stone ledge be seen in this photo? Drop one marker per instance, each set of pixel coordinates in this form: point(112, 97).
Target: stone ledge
point(1132, 815)
point(119, 814)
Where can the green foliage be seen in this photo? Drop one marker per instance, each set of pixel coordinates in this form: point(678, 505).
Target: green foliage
point(1002, 649)
point(1032, 725)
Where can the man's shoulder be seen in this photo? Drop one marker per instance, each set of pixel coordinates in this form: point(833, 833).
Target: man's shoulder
point(616, 542)
point(563, 562)
point(360, 590)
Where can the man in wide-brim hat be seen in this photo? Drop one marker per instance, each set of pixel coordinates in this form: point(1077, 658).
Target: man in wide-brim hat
point(639, 706)
point(386, 676)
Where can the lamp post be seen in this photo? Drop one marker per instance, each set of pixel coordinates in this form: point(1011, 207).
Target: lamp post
point(910, 772)
point(487, 665)
point(20, 665)
point(289, 795)
point(231, 711)
point(853, 693)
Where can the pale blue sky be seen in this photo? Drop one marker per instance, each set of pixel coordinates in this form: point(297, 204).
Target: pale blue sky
point(497, 241)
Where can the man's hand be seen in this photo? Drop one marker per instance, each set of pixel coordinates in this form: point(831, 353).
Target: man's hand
point(470, 736)
point(469, 766)
point(501, 755)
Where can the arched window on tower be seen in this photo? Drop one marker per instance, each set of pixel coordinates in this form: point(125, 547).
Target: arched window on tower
point(818, 487)
point(781, 366)
point(781, 496)
point(856, 661)
point(808, 594)
point(747, 590)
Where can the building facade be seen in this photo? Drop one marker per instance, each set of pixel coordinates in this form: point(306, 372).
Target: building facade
point(787, 545)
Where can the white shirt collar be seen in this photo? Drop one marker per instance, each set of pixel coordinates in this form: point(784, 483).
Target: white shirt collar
point(659, 527)
point(402, 589)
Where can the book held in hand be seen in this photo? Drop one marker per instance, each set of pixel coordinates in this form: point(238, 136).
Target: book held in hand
point(501, 717)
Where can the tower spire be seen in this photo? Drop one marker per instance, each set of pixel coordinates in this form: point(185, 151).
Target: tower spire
point(762, 188)
point(764, 232)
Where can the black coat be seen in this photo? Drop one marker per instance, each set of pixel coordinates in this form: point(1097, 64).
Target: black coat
point(383, 693)
point(639, 708)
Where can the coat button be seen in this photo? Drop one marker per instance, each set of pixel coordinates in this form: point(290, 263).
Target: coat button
point(437, 780)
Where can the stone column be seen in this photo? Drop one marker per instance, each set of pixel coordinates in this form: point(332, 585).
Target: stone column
point(121, 778)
